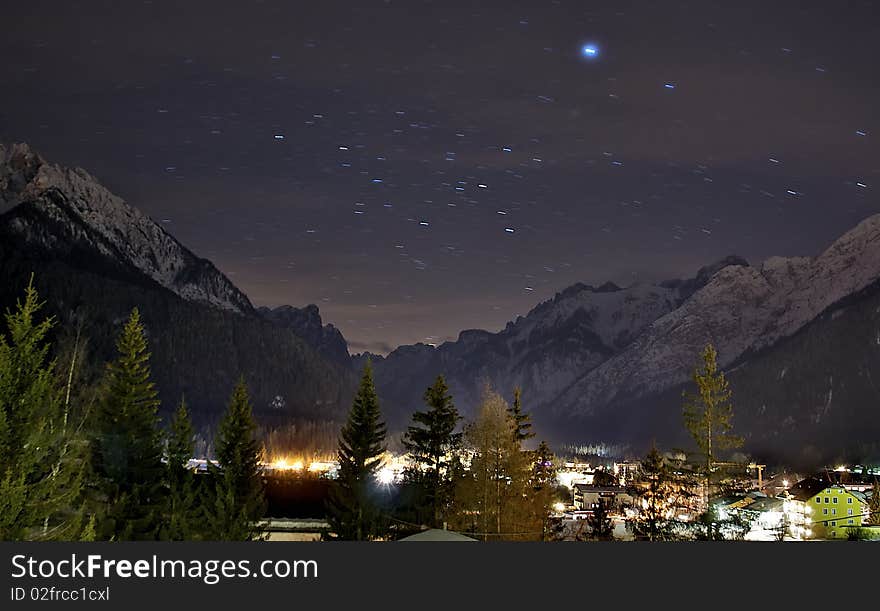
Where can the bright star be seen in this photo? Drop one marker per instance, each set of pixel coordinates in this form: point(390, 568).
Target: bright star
point(590, 51)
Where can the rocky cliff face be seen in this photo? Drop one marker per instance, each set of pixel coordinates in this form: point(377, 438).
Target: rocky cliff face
point(544, 352)
point(306, 323)
point(739, 310)
point(800, 337)
point(611, 363)
point(69, 211)
point(94, 258)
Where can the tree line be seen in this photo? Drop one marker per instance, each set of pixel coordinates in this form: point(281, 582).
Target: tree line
point(478, 479)
point(88, 466)
point(98, 466)
point(95, 463)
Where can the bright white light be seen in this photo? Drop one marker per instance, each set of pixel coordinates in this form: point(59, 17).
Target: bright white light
point(559, 507)
point(385, 476)
point(590, 51)
point(568, 478)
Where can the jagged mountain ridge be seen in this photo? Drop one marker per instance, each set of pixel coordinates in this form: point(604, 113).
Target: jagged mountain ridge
point(810, 398)
point(67, 209)
point(94, 258)
point(543, 352)
point(611, 363)
point(740, 309)
point(593, 361)
point(306, 323)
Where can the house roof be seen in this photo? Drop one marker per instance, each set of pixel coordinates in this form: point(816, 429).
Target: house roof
point(591, 488)
point(806, 488)
point(436, 534)
point(766, 504)
point(860, 496)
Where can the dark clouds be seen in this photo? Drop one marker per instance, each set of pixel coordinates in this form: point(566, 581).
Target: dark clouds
point(392, 111)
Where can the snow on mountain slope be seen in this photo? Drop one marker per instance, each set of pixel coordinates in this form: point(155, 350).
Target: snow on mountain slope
point(544, 352)
point(740, 310)
point(82, 211)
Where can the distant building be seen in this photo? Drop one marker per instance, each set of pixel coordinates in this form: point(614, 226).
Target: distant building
point(628, 472)
point(816, 509)
point(778, 483)
point(587, 496)
point(851, 480)
point(766, 517)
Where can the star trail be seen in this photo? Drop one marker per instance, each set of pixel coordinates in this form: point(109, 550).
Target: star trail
point(419, 168)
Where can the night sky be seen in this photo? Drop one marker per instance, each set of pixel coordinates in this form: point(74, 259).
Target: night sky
point(418, 168)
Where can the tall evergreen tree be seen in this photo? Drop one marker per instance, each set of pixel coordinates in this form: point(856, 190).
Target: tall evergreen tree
point(239, 497)
point(433, 443)
point(41, 452)
point(353, 512)
point(654, 520)
point(544, 487)
point(522, 421)
point(128, 444)
point(874, 505)
point(183, 518)
point(708, 414)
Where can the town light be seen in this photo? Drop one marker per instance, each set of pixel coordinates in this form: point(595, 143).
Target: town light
point(385, 476)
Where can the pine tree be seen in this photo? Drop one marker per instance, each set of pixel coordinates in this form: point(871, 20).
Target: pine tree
point(239, 497)
point(543, 487)
point(183, 516)
point(653, 522)
point(128, 449)
point(353, 512)
point(180, 444)
point(433, 443)
point(874, 505)
point(41, 452)
point(708, 414)
point(522, 421)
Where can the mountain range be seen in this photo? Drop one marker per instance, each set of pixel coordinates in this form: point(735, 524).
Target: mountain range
point(94, 257)
point(610, 364)
point(798, 337)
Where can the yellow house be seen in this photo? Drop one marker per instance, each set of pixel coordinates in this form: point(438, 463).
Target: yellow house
point(834, 510)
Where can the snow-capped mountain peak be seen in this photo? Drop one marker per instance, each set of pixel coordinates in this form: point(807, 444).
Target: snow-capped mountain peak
point(61, 209)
